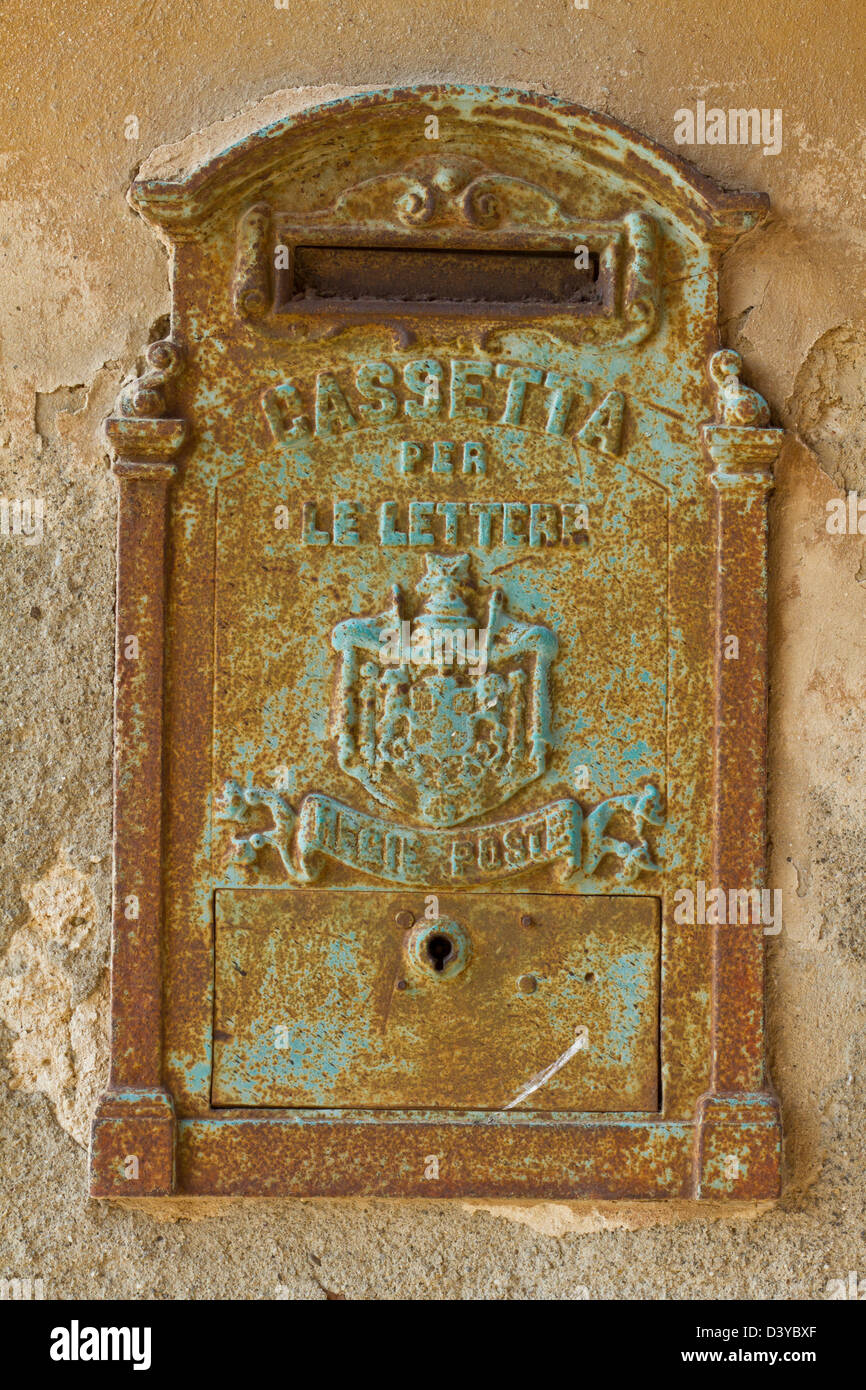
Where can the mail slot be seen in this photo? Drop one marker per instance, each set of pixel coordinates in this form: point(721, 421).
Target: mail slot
point(441, 672)
point(317, 274)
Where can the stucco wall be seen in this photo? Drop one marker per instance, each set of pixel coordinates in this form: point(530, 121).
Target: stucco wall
point(82, 287)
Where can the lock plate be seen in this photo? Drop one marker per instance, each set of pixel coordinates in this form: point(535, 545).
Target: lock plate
point(324, 998)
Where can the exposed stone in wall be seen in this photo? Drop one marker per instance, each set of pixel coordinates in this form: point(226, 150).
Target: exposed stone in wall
point(828, 404)
point(60, 1034)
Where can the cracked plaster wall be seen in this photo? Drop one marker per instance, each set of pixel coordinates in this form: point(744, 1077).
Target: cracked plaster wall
point(83, 286)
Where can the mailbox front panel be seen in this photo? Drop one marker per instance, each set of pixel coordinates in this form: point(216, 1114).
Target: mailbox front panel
point(439, 505)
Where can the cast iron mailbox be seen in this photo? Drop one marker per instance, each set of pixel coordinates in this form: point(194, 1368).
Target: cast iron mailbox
point(440, 671)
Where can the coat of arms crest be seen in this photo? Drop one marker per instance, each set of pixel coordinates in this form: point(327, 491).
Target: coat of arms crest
point(447, 714)
point(442, 714)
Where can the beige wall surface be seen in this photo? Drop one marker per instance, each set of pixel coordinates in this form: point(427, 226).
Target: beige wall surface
point(83, 285)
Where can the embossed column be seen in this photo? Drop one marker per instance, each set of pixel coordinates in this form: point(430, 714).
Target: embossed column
point(738, 1124)
point(132, 1151)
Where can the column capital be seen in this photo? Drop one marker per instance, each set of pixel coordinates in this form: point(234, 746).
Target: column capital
point(743, 455)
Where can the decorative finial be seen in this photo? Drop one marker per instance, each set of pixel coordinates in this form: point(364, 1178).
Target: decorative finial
point(735, 404)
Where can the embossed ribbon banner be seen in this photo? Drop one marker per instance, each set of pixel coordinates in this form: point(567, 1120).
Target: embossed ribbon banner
point(561, 833)
point(407, 854)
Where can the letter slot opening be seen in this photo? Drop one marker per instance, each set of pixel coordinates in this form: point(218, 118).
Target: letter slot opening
point(323, 276)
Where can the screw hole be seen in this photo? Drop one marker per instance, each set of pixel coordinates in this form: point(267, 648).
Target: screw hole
point(440, 950)
point(590, 977)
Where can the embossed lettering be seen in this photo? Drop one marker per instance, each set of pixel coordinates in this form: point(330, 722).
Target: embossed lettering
point(485, 511)
point(442, 456)
point(332, 408)
point(543, 523)
point(388, 534)
point(346, 523)
point(426, 523)
point(372, 382)
point(409, 455)
point(310, 534)
point(603, 429)
point(518, 379)
point(464, 390)
point(424, 378)
point(279, 405)
point(451, 511)
point(418, 513)
point(512, 512)
point(562, 391)
point(378, 404)
point(474, 458)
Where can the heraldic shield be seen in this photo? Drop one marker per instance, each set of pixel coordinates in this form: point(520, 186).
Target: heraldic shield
point(447, 714)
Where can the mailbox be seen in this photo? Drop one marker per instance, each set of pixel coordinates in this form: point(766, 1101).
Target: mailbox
point(440, 672)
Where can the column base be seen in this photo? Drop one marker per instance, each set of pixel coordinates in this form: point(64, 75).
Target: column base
point(132, 1144)
point(738, 1146)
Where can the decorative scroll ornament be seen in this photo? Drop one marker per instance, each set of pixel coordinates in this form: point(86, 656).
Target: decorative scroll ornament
point(251, 289)
point(443, 742)
point(461, 193)
point(139, 429)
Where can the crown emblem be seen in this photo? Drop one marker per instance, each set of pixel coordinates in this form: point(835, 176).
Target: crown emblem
point(447, 714)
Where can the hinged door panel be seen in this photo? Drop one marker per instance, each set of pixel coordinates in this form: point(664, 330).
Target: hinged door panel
point(352, 999)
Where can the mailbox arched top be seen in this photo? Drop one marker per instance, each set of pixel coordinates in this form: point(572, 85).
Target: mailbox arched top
point(502, 157)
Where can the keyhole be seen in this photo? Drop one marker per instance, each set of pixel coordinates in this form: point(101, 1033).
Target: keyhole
point(439, 951)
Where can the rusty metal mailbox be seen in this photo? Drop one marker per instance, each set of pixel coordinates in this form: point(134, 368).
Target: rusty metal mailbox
point(440, 671)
